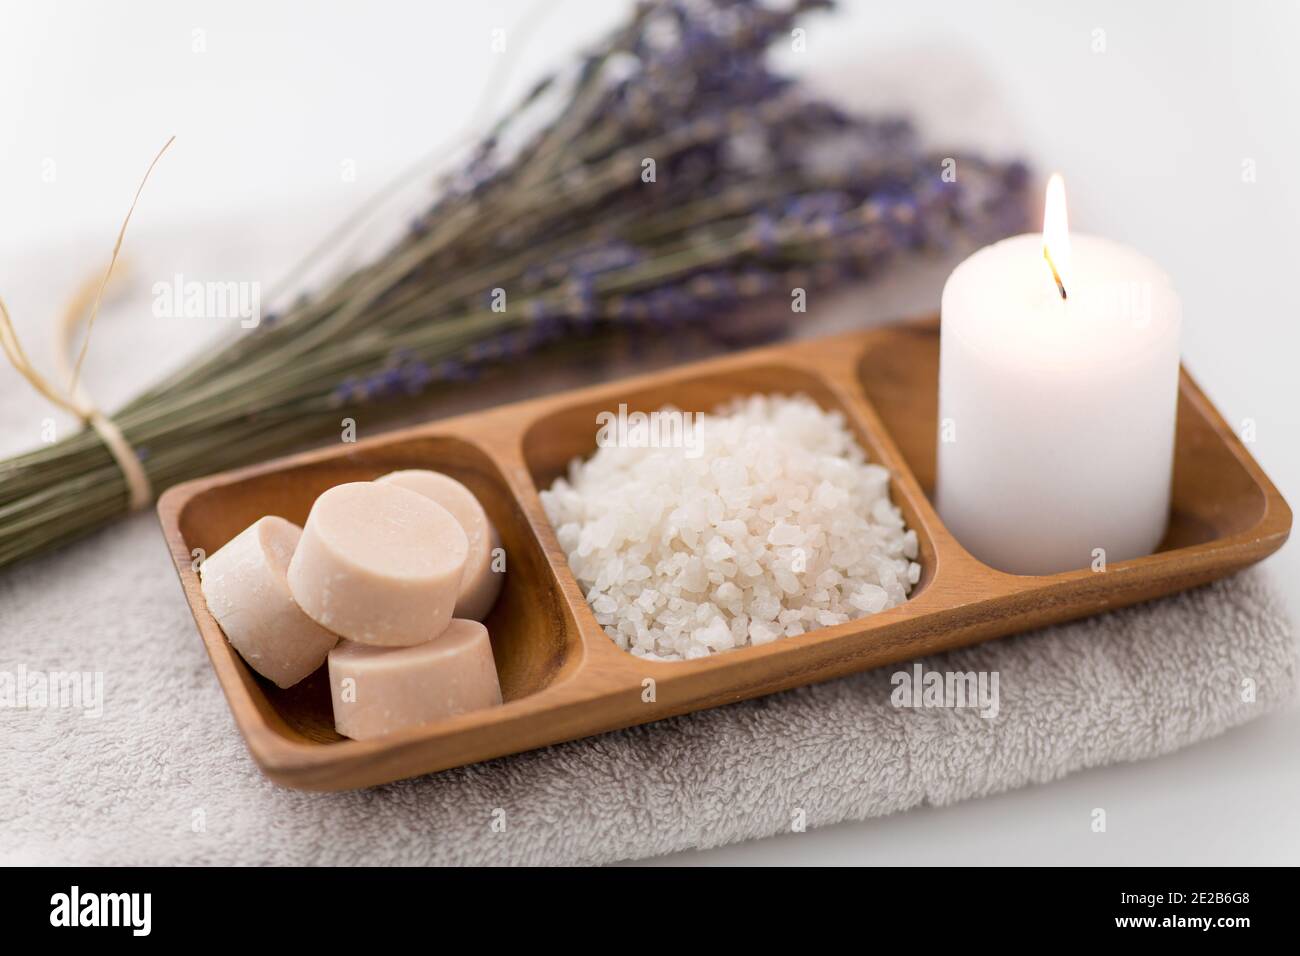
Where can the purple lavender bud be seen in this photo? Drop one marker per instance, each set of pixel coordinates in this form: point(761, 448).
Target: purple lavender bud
point(762, 236)
point(416, 375)
point(390, 381)
point(345, 391)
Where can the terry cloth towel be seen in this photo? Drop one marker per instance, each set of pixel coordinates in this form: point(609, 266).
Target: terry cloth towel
point(162, 775)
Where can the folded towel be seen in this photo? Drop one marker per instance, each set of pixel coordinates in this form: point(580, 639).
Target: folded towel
point(162, 775)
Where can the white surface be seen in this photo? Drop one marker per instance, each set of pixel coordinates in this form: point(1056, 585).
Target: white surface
point(1151, 135)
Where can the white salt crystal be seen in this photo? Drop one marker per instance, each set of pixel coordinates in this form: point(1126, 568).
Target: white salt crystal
point(765, 608)
point(910, 546)
point(718, 550)
point(785, 534)
point(717, 636)
point(869, 598)
point(728, 593)
point(786, 581)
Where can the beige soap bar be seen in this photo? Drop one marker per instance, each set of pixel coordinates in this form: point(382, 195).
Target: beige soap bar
point(481, 584)
point(377, 690)
point(379, 564)
point(245, 587)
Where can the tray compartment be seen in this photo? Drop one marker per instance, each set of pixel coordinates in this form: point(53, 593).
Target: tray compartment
point(1214, 497)
point(568, 432)
point(531, 640)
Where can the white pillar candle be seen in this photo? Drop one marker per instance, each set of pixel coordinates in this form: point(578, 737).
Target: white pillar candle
point(1057, 400)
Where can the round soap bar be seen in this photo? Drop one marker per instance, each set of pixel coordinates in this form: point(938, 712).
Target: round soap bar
point(379, 564)
point(377, 690)
point(244, 584)
point(480, 586)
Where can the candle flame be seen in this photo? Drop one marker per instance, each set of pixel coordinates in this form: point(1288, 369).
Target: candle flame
point(1056, 232)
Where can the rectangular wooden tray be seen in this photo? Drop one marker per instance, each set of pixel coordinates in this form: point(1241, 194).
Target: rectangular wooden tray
point(563, 678)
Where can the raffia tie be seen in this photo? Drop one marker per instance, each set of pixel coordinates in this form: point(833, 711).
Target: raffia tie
point(75, 398)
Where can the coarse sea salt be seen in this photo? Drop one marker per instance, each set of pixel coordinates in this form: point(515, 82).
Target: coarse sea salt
point(771, 525)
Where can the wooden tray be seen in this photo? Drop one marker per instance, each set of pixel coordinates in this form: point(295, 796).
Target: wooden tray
point(563, 678)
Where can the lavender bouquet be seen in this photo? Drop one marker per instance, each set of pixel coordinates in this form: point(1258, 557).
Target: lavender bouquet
point(673, 178)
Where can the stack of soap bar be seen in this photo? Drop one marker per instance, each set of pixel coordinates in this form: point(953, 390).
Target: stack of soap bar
point(379, 564)
point(378, 690)
point(481, 583)
point(247, 592)
point(401, 568)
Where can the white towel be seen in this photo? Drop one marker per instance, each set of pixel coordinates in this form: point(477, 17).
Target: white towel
point(162, 776)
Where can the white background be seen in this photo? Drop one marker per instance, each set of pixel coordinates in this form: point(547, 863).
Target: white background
point(1151, 135)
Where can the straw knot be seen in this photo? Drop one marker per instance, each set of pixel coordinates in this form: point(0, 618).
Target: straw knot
point(74, 398)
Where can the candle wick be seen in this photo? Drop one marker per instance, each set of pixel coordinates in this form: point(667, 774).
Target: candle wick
point(1055, 275)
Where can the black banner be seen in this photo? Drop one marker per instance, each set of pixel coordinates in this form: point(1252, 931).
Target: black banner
point(333, 906)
